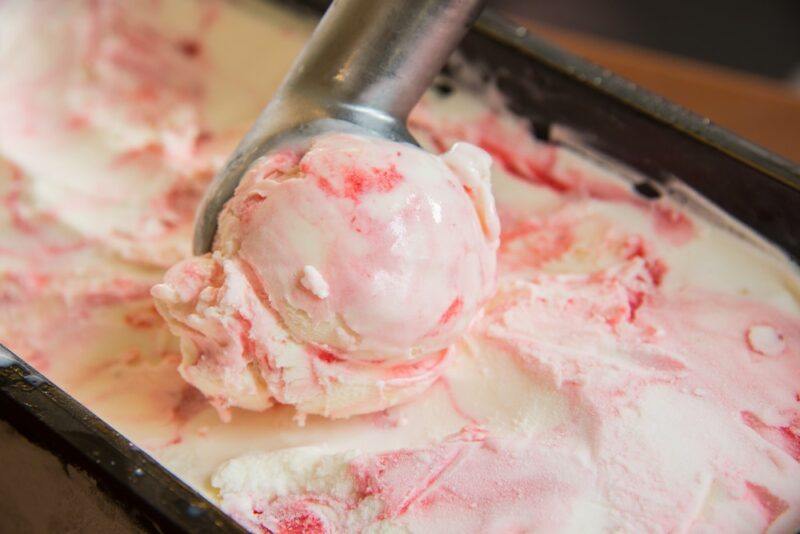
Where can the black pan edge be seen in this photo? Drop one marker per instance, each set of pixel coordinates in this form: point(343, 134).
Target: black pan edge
point(661, 140)
point(48, 417)
point(585, 72)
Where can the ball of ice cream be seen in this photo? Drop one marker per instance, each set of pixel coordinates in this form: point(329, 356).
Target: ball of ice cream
point(372, 249)
point(339, 276)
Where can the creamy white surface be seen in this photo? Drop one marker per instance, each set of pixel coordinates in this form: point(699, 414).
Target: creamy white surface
point(671, 419)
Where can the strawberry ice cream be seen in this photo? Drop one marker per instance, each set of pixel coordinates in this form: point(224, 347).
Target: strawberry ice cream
point(633, 366)
point(340, 277)
point(104, 75)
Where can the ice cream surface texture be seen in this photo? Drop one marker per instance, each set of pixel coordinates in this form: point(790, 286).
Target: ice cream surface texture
point(340, 277)
point(636, 367)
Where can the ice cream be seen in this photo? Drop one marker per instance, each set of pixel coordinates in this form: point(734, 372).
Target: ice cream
point(142, 98)
point(635, 369)
point(340, 277)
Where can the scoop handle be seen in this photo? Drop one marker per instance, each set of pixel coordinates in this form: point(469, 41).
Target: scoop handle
point(364, 68)
point(379, 55)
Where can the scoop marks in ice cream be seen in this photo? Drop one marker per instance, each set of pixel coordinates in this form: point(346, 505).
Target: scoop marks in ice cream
point(339, 277)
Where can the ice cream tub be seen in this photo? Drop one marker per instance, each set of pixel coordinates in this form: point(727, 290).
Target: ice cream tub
point(49, 438)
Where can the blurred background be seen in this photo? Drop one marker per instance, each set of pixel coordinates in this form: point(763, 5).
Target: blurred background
point(735, 61)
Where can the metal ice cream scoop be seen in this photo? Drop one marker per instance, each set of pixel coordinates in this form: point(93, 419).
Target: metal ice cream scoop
point(366, 65)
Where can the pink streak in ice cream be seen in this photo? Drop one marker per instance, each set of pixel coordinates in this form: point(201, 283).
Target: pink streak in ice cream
point(138, 94)
point(468, 483)
point(636, 368)
point(339, 277)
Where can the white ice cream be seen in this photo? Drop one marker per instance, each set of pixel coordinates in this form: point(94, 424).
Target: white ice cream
point(636, 368)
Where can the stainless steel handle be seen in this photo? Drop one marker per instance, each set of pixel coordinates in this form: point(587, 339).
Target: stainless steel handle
point(366, 65)
point(379, 55)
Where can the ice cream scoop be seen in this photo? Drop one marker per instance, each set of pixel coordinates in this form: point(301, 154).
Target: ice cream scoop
point(362, 71)
point(337, 261)
point(340, 276)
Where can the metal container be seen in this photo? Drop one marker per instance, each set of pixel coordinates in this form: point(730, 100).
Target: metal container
point(567, 100)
